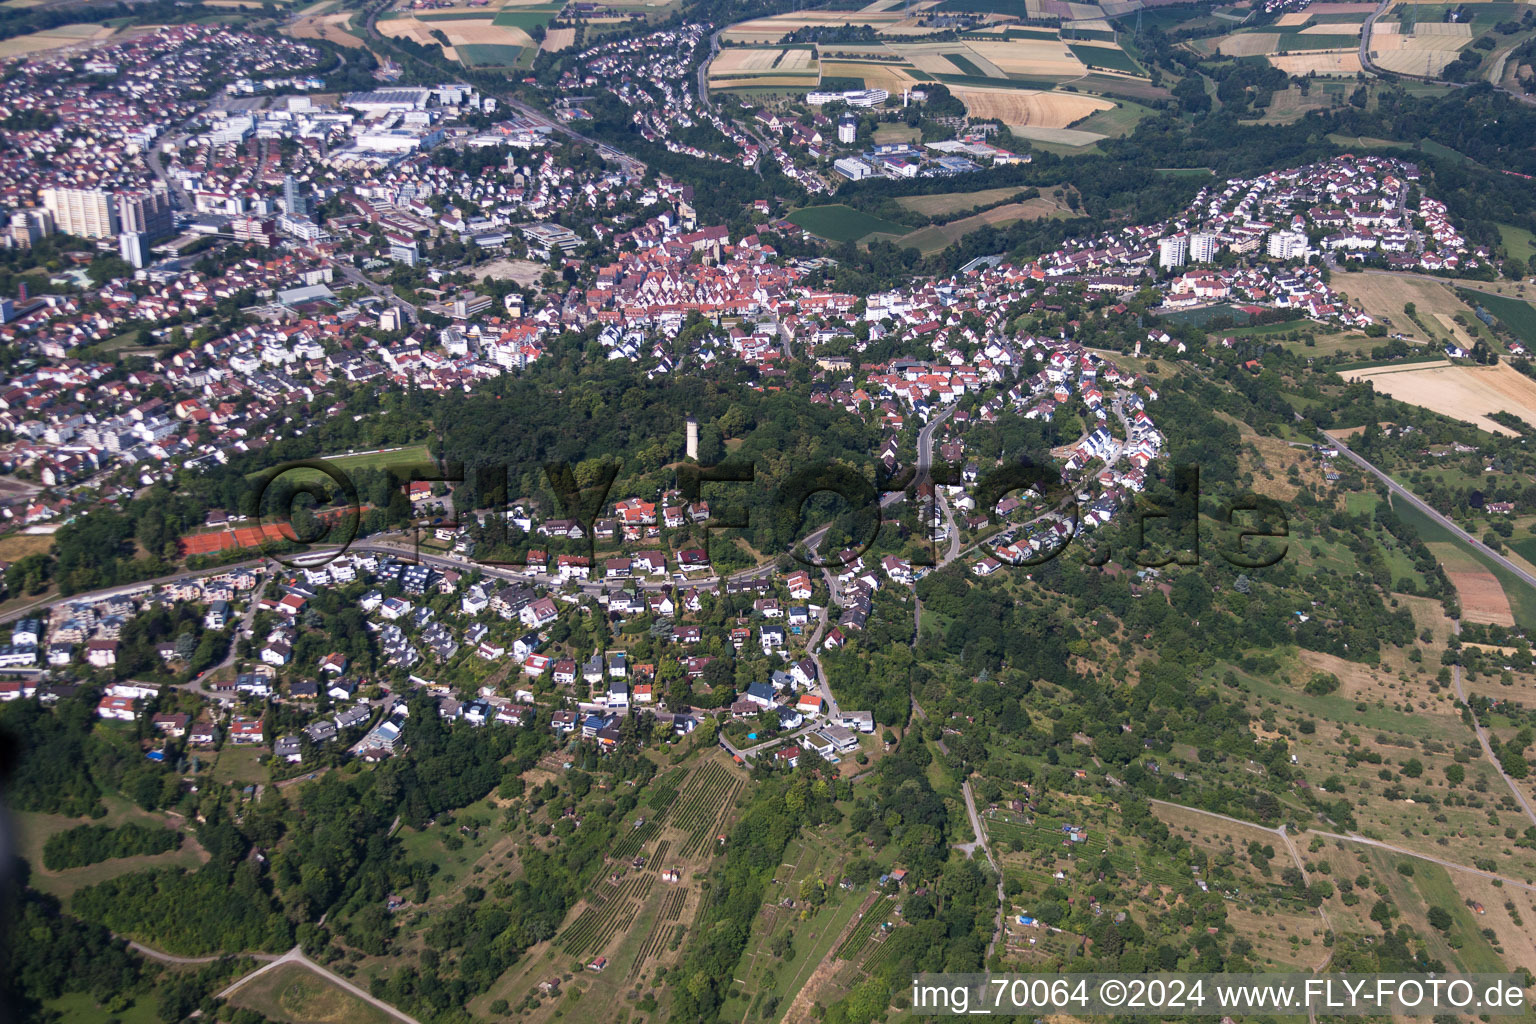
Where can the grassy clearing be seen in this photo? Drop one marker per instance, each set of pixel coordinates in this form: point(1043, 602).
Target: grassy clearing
point(946, 203)
point(525, 18)
point(937, 237)
point(489, 55)
point(398, 458)
point(20, 545)
point(33, 830)
point(240, 765)
point(82, 1008)
point(1440, 890)
point(298, 995)
point(1122, 120)
point(1517, 241)
point(839, 223)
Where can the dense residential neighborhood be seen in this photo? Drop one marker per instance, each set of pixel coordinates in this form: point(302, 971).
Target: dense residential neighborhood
point(678, 512)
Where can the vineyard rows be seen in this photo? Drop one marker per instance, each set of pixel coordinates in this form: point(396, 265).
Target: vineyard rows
point(663, 790)
point(854, 944)
point(709, 803)
point(589, 932)
point(878, 955)
point(671, 910)
point(634, 839)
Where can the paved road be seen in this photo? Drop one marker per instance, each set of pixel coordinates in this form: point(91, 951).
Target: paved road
point(1365, 36)
point(821, 673)
point(296, 956)
point(1402, 492)
point(383, 291)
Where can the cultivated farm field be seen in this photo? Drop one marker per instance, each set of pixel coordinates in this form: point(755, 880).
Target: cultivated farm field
point(1025, 107)
point(1384, 296)
point(53, 39)
point(1466, 393)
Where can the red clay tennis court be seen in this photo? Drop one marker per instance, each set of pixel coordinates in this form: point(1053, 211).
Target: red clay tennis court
point(248, 536)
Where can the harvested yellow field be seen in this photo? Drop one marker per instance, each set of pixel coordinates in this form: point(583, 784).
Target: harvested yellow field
point(891, 77)
point(1417, 42)
point(330, 27)
point(740, 60)
point(1416, 62)
point(53, 39)
point(776, 27)
point(768, 67)
point(1030, 57)
point(1455, 330)
point(1028, 107)
point(1384, 295)
point(1323, 62)
point(1443, 28)
point(794, 60)
point(945, 203)
point(1466, 393)
point(1386, 44)
point(934, 64)
point(1249, 44)
point(557, 39)
point(460, 33)
point(1290, 19)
